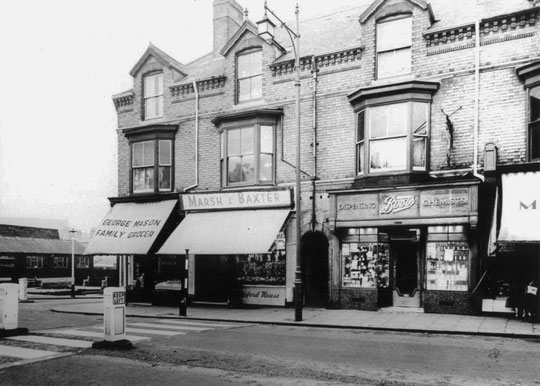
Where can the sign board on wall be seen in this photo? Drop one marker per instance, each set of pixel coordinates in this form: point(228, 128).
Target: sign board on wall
point(404, 204)
point(237, 200)
point(263, 295)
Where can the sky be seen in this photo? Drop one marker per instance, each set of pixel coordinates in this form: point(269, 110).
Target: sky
point(62, 62)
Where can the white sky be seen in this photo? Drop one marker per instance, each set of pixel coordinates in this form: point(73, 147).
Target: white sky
point(62, 61)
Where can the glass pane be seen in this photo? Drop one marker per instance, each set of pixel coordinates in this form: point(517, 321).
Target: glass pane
point(267, 139)
point(256, 87)
point(390, 120)
point(148, 157)
point(164, 178)
point(235, 169)
point(159, 106)
point(419, 153)
point(266, 167)
point(360, 157)
point(393, 63)
point(143, 179)
point(165, 153)
point(223, 148)
point(233, 143)
point(394, 34)
point(244, 91)
point(137, 154)
point(248, 168)
point(535, 142)
point(246, 140)
point(419, 118)
point(534, 96)
point(388, 154)
point(249, 64)
point(159, 84)
point(360, 127)
point(149, 108)
point(149, 86)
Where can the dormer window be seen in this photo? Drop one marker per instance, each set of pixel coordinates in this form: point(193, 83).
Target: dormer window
point(153, 96)
point(249, 75)
point(394, 40)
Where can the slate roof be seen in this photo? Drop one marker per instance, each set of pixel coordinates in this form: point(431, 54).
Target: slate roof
point(39, 246)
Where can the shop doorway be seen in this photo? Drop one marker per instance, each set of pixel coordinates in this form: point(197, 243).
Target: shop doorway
point(315, 268)
point(210, 282)
point(406, 259)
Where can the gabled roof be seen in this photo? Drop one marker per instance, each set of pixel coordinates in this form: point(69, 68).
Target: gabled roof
point(247, 26)
point(162, 57)
point(377, 3)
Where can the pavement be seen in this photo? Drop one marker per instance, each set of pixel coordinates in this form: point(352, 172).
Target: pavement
point(382, 320)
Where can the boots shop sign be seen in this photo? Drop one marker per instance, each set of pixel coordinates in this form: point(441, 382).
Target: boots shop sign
point(404, 204)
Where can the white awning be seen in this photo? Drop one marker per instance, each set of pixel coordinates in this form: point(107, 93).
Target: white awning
point(520, 221)
point(130, 228)
point(226, 233)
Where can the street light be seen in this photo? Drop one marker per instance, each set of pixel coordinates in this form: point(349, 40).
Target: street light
point(266, 30)
point(72, 233)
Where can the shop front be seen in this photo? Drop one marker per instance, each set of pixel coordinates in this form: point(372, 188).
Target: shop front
point(405, 247)
point(133, 231)
point(237, 246)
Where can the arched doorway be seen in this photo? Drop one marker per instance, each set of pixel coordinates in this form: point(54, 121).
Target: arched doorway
point(315, 268)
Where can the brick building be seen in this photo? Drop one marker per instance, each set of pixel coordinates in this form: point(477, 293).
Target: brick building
point(413, 116)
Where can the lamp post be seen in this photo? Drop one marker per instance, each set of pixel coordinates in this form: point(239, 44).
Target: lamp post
point(266, 27)
point(72, 234)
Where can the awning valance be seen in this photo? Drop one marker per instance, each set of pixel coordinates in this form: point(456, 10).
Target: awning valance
point(520, 220)
point(226, 232)
point(130, 228)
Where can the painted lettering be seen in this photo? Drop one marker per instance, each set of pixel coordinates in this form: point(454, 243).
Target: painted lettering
point(531, 206)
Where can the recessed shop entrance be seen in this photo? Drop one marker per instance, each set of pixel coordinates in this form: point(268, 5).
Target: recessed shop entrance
point(406, 258)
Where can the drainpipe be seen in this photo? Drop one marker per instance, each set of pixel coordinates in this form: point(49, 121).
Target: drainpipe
point(314, 178)
point(476, 99)
point(196, 90)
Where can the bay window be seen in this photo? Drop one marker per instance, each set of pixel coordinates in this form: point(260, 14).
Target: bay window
point(392, 138)
point(151, 164)
point(394, 40)
point(247, 155)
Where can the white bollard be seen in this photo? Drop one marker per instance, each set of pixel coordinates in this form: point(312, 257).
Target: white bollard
point(23, 289)
point(9, 306)
point(114, 313)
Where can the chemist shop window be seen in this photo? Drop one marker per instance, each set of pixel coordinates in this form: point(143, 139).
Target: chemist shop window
point(447, 258)
point(153, 95)
point(152, 166)
point(248, 155)
point(534, 123)
point(394, 40)
point(392, 138)
point(34, 262)
point(60, 262)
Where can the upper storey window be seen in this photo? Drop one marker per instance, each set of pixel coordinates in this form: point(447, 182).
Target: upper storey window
point(392, 138)
point(153, 96)
point(534, 123)
point(394, 39)
point(152, 166)
point(249, 75)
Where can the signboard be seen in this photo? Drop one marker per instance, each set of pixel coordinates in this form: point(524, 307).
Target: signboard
point(119, 298)
point(237, 200)
point(404, 204)
point(263, 295)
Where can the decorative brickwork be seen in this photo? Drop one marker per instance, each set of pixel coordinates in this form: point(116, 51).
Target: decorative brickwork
point(123, 101)
point(202, 85)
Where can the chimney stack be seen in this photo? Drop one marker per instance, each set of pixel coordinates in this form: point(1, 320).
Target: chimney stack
point(228, 17)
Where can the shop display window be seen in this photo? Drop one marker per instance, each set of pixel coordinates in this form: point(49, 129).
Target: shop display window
point(448, 265)
point(365, 265)
point(263, 269)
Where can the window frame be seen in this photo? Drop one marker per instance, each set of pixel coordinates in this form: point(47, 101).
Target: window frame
point(159, 97)
point(82, 262)
point(38, 260)
point(532, 126)
point(390, 19)
point(247, 52)
point(60, 262)
point(256, 125)
point(155, 167)
point(363, 161)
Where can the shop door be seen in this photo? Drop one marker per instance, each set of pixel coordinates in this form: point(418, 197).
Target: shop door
point(406, 274)
point(210, 282)
point(315, 268)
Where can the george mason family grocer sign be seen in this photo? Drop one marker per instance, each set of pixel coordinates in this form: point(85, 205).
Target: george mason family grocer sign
point(237, 200)
point(404, 204)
